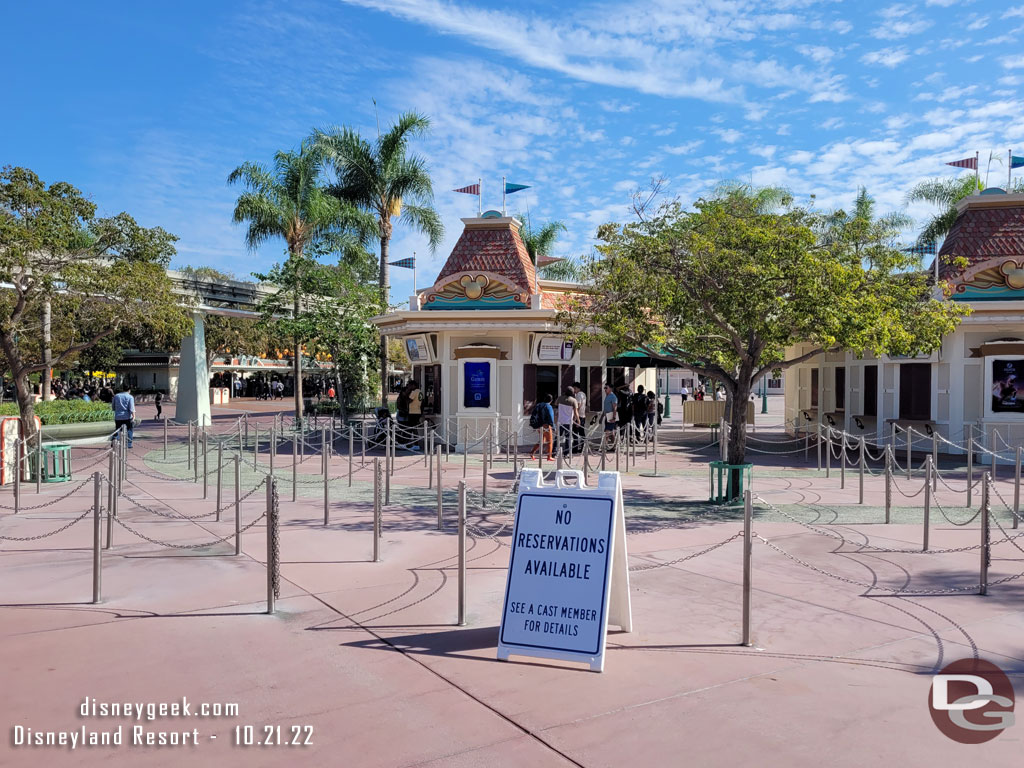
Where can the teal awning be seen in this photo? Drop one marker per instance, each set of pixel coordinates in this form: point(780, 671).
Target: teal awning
point(636, 358)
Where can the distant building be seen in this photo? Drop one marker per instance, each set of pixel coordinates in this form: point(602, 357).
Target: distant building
point(974, 383)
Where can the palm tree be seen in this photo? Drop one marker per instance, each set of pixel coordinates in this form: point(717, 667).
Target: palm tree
point(539, 242)
point(859, 228)
point(944, 194)
point(384, 179)
point(287, 202)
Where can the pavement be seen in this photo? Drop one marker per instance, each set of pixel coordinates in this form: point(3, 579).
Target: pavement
point(365, 661)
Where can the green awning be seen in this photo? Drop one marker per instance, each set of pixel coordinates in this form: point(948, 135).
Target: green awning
point(636, 358)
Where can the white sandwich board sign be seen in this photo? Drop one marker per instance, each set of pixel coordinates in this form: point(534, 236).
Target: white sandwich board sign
point(567, 574)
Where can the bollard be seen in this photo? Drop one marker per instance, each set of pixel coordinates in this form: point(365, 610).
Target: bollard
point(110, 528)
point(327, 490)
point(428, 450)
point(888, 482)
point(618, 449)
point(465, 449)
point(351, 450)
point(302, 440)
point(462, 553)
point(220, 466)
point(389, 445)
point(748, 514)
point(807, 444)
point(295, 472)
point(362, 433)
point(863, 460)
point(655, 447)
point(238, 505)
point(271, 564)
point(323, 449)
point(817, 442)
point(842, 462)
point(586, 462)
point(255, 445)
point(376, 510)
point(927, 501)
point(515, 451)
point(165, 437)
point(195, 459)
point(508, 440)
point(273, 448)
point(440, 501)
point(828, 452)
point(206, 466)
point(995, 455)
point(39, 460)
point(935, 459)
point(985, 544)
point(190, 444)
point(604, 451)
point(97, 557)
point(892, 437)
point(484, 468)
point(111, 493)
point(970, 466)
point(1016, 488)
point(245, 417)
point(18, 468)
point(909, 439)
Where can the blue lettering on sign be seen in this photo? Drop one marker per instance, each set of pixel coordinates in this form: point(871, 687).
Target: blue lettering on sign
point(477, 385)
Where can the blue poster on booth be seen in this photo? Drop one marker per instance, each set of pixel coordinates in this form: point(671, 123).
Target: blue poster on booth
point(477, 385)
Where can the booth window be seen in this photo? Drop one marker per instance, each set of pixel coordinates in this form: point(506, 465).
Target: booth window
point(870, 390)
point(916, 391)
point(840, 389)
point(814, 387)
point(547, 381)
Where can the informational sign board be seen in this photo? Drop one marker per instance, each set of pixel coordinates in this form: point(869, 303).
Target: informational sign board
point(555, 348)
point(477, 385)
point(417, 350)
point(1007, 386)
point(567, 576)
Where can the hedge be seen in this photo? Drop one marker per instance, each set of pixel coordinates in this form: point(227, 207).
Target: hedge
point(65, 411)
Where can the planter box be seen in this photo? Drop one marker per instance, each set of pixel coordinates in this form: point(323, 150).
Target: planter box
point(710, 412)
point(65, 432)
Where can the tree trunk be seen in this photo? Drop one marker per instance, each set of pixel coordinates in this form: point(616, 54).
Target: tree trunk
point(47, 352)
point(736, 416)
point(385, 297)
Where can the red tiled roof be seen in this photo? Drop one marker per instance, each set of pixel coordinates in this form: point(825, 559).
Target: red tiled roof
point(985, 229)
point(492, 246)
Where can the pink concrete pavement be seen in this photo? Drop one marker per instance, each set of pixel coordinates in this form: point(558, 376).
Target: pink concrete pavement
point(368, 655)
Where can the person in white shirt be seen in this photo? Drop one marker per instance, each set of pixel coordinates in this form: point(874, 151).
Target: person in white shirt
point(580, 429)
point(685, 393)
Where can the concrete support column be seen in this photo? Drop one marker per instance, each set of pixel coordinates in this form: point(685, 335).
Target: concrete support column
point(193, 401)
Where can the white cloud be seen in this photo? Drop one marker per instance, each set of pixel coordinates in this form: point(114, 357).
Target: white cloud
point(949, 94)
point(979, 23)
point(841, 27)
point(683, 149)
point(1015, 12)
point(832, 123)
point(728, 135)
point(767, 152)
point(820, 54)
point(886, 57)
point(612, 105)
point(1012, 62)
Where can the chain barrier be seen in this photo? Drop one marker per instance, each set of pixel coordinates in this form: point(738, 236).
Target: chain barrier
point(178, 515)
point(52, 501)
point(50, 533)
point(678, 560)
point(274, 532)
point(159, 543)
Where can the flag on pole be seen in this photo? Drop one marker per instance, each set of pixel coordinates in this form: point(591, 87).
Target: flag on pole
point(922, 249)
point(472, 189)
point(1016, 161)
point(969, 162)
point(407, 263)
point(510, 188)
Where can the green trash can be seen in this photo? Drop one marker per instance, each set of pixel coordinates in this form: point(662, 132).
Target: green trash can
point(56, 463)
point(721, 481)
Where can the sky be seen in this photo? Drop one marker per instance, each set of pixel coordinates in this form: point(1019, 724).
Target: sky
point(147, 107)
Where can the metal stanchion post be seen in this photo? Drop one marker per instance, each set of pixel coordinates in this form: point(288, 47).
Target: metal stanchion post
point(220, 470)
point(748, 514)
point(863, 464)
point(426, 447)
point(807, 444)
point(655, 435)
point(927, 501)
point(465, 450)
point(985, 544)
point(584, 456)
point(18, 469)
point(362, 436)
point(238, 505)
point(206, 465)
point(389, 447)
point(256, 444)
point(295, 471)
point(970, 466)
point(110, 528)
point(440, 496)
point(165, 437)
point(462, 553)
point(351, 450)
point(428, 450)
point(888, 483)
point(842, 461)
point(39, 460)
point(245, 417)
point(1016, 488)
point(995, 455)
point(97, 557)
point(909, 439)
point(190, 444)
point(327, 489)
point(376, 510)
point(487, 447)
point(270, 546)
point(817, 442)
point(323, 448)
point(935, 459)
point(828, 452)
point(273, 447)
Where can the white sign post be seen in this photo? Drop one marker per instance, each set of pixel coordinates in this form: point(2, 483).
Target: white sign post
point(567, 576)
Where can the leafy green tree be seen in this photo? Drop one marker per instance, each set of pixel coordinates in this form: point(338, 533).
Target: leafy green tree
point(540, 240)
point(98, 274)
point(727, 288)
point(288, 202)
point(388, 181)
point(333, 318)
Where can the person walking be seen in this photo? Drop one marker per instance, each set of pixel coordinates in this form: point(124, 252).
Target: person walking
point(684, 393)
point(580, 430)
point(568, 418)
point(542, 418)
point(609, 409)
point(159, 401)
point(124, 412)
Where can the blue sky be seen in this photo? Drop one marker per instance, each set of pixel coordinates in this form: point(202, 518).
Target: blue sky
point(147, 107)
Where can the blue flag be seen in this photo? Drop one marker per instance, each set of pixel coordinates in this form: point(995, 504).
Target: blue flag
point(1016, 161)
point(510, 188)
point(408, 263)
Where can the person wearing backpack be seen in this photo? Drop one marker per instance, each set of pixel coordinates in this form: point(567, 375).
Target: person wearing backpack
point(542, 418)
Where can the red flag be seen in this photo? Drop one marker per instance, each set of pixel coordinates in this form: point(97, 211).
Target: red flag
point(970, 162)
point(472, 189)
